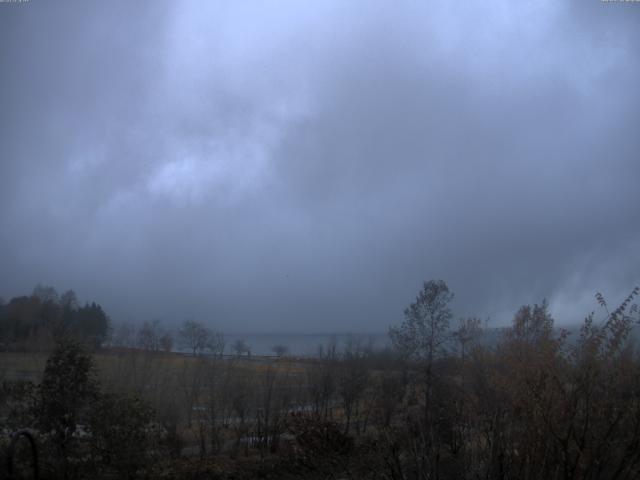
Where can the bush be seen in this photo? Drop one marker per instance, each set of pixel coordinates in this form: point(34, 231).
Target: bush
point(123, 437)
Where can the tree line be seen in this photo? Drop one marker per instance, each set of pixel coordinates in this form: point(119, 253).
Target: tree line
point(38, 320)
point(441, 403)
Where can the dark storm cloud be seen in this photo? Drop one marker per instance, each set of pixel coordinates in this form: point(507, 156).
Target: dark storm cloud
point(307, 167)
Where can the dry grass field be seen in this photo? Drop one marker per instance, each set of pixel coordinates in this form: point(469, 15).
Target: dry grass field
point(22, 365)
point(114, 364)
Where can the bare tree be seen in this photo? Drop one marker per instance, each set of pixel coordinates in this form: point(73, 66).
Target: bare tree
point(124, 335)
point(352, 381)
point(166, 342)
point(240, 347)
point(467, 334)
point(241, 390)
point(216, 344)
point(322, 379)
point(149, 336)
point(46, 293)
point(69, 300)
point(194, 336)
point(191, 379)
point(421, 338)
point(424, 331)
point(280, 350)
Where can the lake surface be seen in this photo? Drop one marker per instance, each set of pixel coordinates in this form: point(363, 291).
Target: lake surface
point(303, 344)
point(308, 344)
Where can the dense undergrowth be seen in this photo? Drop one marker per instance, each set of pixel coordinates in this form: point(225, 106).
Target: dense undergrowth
point(540, 403)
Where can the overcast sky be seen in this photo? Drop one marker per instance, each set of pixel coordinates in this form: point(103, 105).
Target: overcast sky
point(305, 166)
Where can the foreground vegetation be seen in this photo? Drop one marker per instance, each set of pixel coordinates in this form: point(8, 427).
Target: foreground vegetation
point(442, 404)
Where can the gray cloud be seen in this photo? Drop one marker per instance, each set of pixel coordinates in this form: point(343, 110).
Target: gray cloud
point(307, 167)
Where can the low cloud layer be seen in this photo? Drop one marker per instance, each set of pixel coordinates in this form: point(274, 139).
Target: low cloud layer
point(304, 168)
